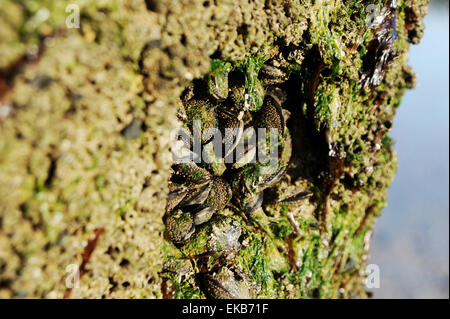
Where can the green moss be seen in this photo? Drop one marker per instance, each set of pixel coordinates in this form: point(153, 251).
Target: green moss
point(282, 229)
point(250, 173)
point(253, 85)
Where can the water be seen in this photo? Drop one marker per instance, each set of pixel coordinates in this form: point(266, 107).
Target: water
point(411, 242)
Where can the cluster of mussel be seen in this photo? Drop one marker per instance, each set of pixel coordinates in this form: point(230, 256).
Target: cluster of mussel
point(230, 168)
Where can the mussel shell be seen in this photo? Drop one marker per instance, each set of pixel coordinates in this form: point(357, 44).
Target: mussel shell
point(270, 115)
point(219, 234)
point(220, 193)
point(226, 284)
point(271, 74)
point(253, 203)
point(197, 196)
point(203, 215)
point(189, 173)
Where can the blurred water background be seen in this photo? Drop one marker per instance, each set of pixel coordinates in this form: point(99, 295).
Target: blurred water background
point(411, 240)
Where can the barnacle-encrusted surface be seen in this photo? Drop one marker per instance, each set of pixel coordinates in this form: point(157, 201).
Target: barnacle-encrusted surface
point(85, 119)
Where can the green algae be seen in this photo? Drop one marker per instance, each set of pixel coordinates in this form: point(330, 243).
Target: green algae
point(253, 85)
point(219, 75)
point(254, 261)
